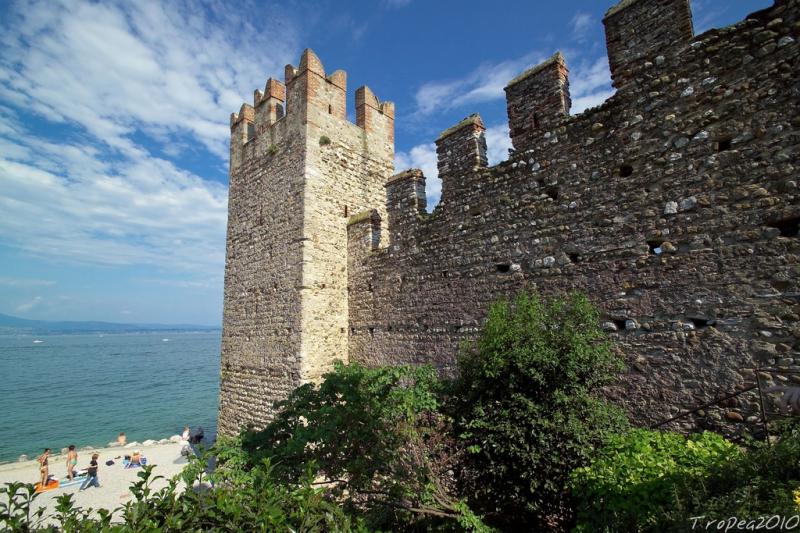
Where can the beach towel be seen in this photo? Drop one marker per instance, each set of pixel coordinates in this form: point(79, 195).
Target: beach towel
point(127, 464)
point(52, 484)
point(77, 480)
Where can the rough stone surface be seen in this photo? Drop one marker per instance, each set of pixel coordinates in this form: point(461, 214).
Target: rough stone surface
point(690, 249)
point(296, 177)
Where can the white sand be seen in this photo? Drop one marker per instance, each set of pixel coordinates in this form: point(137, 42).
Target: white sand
point(114, 480)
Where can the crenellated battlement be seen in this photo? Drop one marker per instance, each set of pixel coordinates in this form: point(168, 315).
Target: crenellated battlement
point(460, 151)
point(673, 205)
point(665, 204)
point(308, 96)
point(537, 100)
point(640, 29)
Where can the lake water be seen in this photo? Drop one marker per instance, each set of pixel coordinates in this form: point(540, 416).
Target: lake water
point(85, 389)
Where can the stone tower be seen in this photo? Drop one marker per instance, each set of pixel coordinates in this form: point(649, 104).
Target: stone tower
point(298, 170)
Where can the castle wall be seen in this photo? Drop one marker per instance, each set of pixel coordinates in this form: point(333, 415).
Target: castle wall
point(298, 171)
point(261, 321)
point(347, 166)
point(674, 206)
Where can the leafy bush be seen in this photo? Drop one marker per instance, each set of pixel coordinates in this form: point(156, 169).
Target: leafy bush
point(760, 482)
point(240, 500)
point(526, 407)
point(376, 439)
point(652, 481)
point(633, 480)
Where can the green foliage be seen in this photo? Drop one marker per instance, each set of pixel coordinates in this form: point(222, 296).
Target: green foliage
point(631, 482)
point(324, 140)
point(527, 410)
point(272, 149)
point(376, 440)
point(653, 481)
point(16, 508)
point(760, 482)
point(240, 500)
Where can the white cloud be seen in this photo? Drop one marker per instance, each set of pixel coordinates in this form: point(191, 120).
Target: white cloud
point(111, 73)
point(580, 24)
point(25, 282)
point(590, 85)
point(158, 68)
point(484, 84)
point(62, 201)
point(423, 156)
point(29, 305)
point(497, 143)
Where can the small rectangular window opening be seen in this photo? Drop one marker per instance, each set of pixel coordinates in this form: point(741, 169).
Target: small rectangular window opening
point(503, 268)
point(700, 323)
point(724, 144)
point(789, 227)
point(655, 247)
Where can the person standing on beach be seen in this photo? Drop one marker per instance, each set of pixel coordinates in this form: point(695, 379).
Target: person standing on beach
point(91, 478)
point(186, 433)
point(122, 439)
point(72, 461)
point(44, 468)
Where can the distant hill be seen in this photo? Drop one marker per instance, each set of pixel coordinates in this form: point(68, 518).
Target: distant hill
point(13, 324)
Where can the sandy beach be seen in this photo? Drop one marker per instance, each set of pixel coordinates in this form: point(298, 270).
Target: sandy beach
point(115, 480)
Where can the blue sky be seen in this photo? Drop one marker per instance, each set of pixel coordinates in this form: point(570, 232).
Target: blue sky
point(114, 123)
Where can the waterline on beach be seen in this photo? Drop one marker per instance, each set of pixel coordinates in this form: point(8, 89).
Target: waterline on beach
point(85, 389)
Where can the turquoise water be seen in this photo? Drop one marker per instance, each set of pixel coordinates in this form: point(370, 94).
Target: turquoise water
point(85, 389)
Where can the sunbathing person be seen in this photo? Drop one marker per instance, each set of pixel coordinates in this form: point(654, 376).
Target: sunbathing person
point(136, 459)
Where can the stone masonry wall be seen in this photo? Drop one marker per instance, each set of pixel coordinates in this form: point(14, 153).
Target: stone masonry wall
point(674, 206)
point(298, 171)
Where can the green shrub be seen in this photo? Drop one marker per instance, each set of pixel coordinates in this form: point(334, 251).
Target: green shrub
point(761, 482)
point(652, 481)
point(324, 140)
point(376, 440)
point(526, 407)
point(633, 480)
point(240, 500)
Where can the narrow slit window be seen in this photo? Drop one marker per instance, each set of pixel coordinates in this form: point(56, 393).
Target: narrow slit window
point(700, 323)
